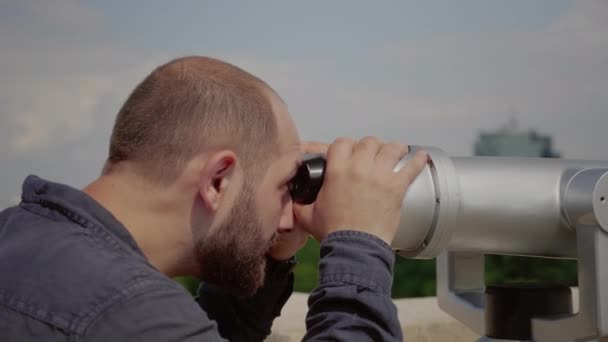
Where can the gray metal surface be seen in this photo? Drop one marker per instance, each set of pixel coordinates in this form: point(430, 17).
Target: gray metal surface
point(584, 196)
point(460, 209)
point(429, 209)
point(461, 286)
point(583, 207)
point(491, 205)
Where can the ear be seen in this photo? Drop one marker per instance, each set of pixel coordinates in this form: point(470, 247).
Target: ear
point(215, 178)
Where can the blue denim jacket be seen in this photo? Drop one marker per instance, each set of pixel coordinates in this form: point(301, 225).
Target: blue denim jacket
point(70, 271)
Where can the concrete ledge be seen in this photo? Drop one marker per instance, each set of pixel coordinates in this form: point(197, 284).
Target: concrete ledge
point(421, 320)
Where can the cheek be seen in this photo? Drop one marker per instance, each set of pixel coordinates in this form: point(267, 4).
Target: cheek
point(271, 209)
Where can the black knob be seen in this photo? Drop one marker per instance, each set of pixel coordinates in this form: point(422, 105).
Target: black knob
point(306, 184)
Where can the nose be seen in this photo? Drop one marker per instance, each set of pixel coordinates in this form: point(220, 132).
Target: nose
point(286, 223)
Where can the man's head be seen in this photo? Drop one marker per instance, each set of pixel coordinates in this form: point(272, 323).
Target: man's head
point(226, 139)
point(188, 106)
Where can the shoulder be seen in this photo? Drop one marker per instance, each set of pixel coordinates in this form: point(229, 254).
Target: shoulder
point(153, 314)
point(65, 275)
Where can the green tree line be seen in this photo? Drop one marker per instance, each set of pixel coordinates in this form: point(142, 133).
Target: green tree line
point(416, 278)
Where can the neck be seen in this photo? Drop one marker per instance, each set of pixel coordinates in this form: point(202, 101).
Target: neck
point(157, 219)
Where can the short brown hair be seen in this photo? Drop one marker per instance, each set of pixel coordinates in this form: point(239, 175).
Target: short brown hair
point(188, 105)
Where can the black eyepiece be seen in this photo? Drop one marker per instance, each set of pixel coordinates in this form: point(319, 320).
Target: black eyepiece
point(306, 184)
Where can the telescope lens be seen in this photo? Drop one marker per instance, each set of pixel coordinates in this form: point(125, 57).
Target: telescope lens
point(306, 184)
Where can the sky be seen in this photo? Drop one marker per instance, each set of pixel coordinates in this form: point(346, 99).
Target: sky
point(420, 72)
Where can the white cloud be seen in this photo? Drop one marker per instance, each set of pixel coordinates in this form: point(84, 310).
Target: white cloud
point(56, 67)
point(50, 109)
point(62, 80)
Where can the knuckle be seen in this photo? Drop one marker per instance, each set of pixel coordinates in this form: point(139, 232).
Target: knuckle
point(339, 150)
point(401, 148)
point(390, 148)
point(343, 141)
point(394, 149)
point(369, 140)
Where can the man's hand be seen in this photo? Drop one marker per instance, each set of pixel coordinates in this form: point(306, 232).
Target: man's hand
point(360, 190)
point(288, 244)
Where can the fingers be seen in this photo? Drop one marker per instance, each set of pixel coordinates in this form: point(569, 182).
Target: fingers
point(361, 189)
point(295, 235)
point(300, 236)
point(339, 153)
point(365, 151)
point(303, 216)
point(287, 244)
point(412, 168)
point(390, 154)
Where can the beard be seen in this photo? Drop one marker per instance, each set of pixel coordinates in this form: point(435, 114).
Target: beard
point(234, 257)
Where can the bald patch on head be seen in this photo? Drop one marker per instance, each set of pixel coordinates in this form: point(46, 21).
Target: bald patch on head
point(190, 105)
point(287, 132)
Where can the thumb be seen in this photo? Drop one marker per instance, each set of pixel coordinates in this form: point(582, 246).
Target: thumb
point(303, 216)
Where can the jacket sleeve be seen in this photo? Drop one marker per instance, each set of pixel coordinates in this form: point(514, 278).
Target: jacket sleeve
point(352, 301)
point(249, 319)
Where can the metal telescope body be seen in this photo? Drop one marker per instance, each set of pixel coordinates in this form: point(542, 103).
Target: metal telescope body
point(461, 208)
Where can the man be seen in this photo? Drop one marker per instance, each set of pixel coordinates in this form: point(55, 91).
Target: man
point(196, 183)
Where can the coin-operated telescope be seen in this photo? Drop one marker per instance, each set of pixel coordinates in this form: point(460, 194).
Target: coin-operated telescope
point(461, 208)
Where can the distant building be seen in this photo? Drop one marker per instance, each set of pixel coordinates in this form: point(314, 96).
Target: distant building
point(509, 141)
